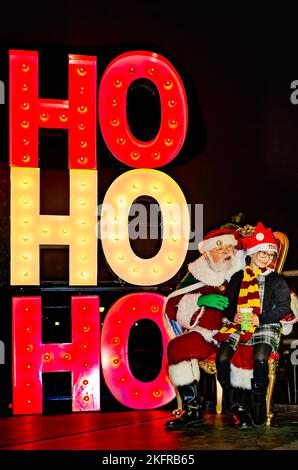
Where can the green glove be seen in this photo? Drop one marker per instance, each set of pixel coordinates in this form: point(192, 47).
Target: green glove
point(213, 300)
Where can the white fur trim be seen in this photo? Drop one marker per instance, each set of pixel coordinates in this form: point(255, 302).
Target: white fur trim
point(201, 270)
point(286, 328)
point(186, 308)
point(207, 334)
point(184, 373)
point(241, 378)
point(294, 305)
point(217, 242)
point(261, 247)
point(186, 290)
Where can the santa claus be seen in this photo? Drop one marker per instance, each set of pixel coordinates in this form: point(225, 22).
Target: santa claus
point(197, 306)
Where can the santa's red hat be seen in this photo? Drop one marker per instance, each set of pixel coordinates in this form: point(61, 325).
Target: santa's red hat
point(218, 238)
point(261, 240)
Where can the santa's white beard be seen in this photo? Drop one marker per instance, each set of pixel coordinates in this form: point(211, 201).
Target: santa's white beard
point(226, 266)
point(214, 274)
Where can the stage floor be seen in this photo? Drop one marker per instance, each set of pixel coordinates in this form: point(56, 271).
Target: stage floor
point(139, 430)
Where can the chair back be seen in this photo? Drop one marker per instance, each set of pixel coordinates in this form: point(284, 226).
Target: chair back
point(283, 247)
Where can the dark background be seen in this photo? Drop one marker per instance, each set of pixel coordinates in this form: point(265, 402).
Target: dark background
point(240, 154)
point(241, 150)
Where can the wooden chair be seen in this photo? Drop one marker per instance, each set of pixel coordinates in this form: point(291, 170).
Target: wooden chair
point(208, 364)
point(283, 242)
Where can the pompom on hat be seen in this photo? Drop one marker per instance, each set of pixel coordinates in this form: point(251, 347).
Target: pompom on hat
point(218, 238)
point(261, 240)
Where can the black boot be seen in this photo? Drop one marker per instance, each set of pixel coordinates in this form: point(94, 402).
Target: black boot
point(223, 367)
point(258, 403)
point(241, 409)
point(228, 396)
point(241, 416)
point(192, 413)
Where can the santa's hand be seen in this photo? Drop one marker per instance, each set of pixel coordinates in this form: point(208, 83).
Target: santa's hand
point(213, 300)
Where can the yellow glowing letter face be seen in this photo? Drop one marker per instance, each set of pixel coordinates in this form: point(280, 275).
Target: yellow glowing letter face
point(29, 229)
point(115, 231)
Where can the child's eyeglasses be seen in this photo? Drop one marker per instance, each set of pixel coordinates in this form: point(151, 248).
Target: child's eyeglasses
point(265, 255)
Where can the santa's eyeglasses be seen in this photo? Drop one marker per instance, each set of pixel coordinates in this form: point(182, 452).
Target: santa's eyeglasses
point(223, 249)
point(265, 255)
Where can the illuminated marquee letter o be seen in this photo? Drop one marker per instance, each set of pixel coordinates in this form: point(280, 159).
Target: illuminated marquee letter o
point(118, 76)
point(115, 232)
point(122, 384)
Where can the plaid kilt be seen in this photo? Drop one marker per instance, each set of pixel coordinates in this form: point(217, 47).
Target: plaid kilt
point(268, 334)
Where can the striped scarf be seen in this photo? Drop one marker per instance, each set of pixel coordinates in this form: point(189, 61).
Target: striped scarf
point(249, 295)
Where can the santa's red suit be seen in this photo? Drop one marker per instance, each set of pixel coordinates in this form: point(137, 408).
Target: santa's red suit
point(199, 324)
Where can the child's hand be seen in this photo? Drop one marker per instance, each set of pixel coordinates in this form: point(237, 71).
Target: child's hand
point(255, 321)
point(238, 317)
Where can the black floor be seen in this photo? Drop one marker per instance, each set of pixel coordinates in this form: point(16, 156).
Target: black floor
point(96, 436)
